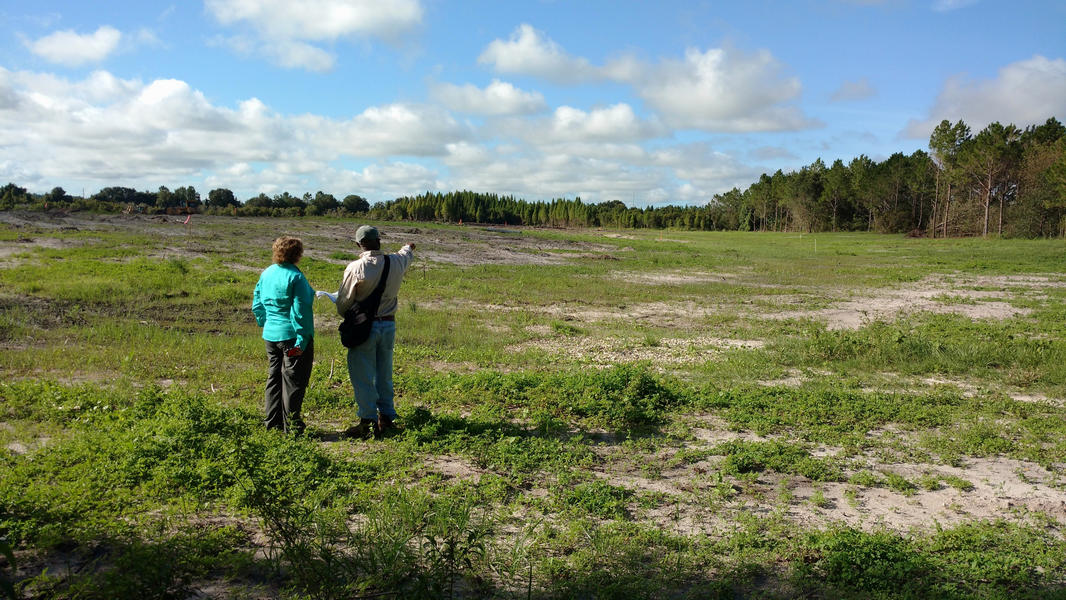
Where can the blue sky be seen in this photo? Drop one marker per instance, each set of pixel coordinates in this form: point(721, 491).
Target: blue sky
point(645, 102)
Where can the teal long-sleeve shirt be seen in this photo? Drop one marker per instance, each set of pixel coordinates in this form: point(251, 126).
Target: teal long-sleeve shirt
point(282, 305)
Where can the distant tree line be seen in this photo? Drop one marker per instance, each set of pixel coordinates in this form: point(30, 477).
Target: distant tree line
point(1003, 180)
point(186, 200)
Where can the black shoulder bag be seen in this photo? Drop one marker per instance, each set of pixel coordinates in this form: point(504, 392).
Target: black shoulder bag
point(359, 318)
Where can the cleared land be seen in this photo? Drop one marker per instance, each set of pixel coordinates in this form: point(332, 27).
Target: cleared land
point(588, 413)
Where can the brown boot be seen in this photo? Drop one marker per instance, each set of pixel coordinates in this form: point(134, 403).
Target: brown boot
point(366, 429)
point(386, 424)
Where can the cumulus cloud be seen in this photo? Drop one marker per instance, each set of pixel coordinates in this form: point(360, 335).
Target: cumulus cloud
point(530, 52)
point(706, 170)
point(297, 55)
point(319, 20)
point(543, 176)
point(592, 129)
point(119, 132)
point(718, 90)
point(72, 49)
point(950, 5)
point(598, 172)
point(617, 123)
point(284, 29)
point(498, 98)
point(853, 90)
point(394, 129)
point(1023, 93)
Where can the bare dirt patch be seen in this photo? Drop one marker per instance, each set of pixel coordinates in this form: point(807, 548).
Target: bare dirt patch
point(1002, 489)
point(611, 351)
point(9, 250)
point(998, 488)
point(971, 389)
point(678, 314)
point(453, 467)
point(463, 246)
point(673, 278)
point(936, 294)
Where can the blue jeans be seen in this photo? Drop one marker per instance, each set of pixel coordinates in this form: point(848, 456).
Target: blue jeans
point(370, 368)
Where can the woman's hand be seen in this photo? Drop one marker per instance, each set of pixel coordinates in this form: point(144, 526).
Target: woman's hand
point(294, 352)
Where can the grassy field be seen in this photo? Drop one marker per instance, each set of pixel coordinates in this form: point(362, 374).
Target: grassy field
point(587, 414)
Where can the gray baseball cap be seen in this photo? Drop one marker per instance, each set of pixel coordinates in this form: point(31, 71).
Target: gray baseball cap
point(366, 232)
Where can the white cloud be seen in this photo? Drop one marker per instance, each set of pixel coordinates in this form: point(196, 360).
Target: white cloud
point(704, 168)
point(320, 20)
point(613, 123)
point(286, 53)
point(1023, 93)
point(284, 28)
point(73, 49)
point(721, 89)
point(498, 98)
point(104, 130)
point(558, 175)
point(394, 129)
point(950, 5)
point(569, 125)
point(718, 90)
point(298, 55)
point(853, 90)
point(530, 52)
point(466, 154)
point(687, 173)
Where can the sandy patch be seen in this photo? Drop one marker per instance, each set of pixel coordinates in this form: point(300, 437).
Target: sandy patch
point(1034, 281)
point(612, 351)
point(653, 313)
point(453, 467)
point(672, 278)
point(930, 295)
point(9, 250)
point(680, 314)
point(242, 267)
point(793, 379)
point(17, 448)
point(1037, 399)
point(968, 389)
point(1002, 489)
point(443, 366)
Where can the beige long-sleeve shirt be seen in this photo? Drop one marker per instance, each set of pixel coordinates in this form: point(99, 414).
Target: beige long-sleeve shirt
point(362, 276)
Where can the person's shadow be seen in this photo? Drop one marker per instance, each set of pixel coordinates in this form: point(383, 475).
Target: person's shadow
point(319, 435)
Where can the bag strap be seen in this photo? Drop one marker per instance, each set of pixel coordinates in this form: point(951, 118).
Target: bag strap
point(374, 300)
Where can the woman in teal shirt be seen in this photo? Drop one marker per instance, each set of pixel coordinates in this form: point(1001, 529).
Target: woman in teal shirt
point(282, 306)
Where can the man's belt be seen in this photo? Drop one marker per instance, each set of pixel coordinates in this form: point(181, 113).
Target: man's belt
point(388, 318)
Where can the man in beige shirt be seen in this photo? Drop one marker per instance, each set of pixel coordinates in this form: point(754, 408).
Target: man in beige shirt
point(370, 364)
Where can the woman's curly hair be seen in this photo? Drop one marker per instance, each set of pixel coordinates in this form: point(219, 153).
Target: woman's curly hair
point(288, 249)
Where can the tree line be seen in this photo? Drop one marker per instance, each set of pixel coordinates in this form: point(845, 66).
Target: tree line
point(1002, 180)
point(186, 200)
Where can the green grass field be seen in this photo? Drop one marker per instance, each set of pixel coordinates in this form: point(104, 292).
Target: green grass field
point(587, 414)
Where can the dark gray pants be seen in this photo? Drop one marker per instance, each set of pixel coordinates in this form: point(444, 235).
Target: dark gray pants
point(286, 385)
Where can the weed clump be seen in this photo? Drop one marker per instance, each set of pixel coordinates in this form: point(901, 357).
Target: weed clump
point(869, 562)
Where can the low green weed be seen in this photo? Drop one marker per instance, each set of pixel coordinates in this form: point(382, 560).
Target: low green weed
point(878, 562)
point(597, 499)
point(743, 457)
